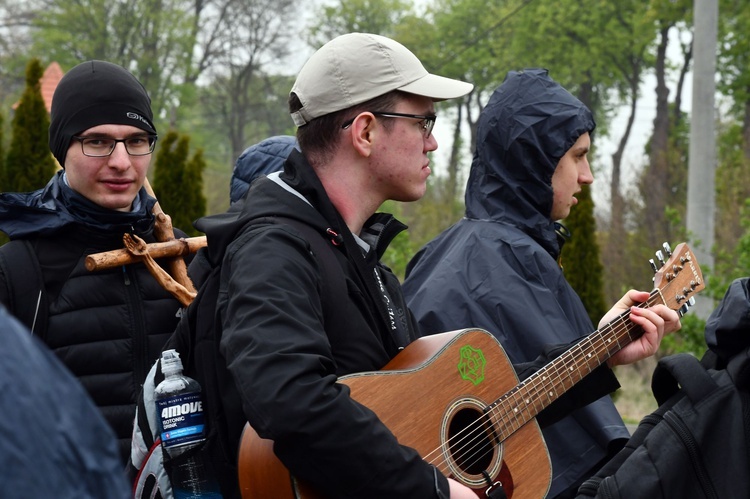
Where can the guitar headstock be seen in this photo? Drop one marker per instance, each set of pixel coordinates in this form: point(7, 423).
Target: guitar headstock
point(679, 278)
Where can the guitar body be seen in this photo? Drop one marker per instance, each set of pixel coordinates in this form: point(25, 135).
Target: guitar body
point(455, 398)
point(430, 396)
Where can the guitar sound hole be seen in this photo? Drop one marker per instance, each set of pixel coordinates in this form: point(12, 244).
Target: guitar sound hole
point(470, 446)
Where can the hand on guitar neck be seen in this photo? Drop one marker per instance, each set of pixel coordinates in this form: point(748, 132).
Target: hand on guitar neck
point(656, 321)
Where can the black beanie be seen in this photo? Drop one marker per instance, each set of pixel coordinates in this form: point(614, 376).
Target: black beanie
point(96, 93)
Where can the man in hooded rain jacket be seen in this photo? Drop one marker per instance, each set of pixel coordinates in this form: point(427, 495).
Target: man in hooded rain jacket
point(497, 267)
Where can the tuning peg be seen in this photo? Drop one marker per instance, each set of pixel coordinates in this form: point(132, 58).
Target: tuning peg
point(667, 248)
point(660, 257)
point(653, 265)
point(686, 306)
point(683, 310)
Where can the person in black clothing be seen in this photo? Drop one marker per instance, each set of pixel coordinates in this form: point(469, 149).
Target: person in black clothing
point(365, 107)
point(106, 326)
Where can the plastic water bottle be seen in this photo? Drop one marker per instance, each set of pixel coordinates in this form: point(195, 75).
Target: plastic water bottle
point(182, 427)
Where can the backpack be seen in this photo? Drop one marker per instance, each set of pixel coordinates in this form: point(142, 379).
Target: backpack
point(25, 284)
point(695, 445)
point(197, 339)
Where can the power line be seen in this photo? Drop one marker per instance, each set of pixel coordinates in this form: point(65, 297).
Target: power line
point(486, 32)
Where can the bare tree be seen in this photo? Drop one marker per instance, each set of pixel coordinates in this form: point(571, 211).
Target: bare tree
point(15, 19)
point(254, 36)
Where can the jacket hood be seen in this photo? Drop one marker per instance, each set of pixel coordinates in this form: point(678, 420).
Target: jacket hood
point(529, 123)
point(727, 326)
point(266, 198)
point(57, 206)
point(265, 157)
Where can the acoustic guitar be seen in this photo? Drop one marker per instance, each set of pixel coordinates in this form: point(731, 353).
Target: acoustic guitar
point(476, 422)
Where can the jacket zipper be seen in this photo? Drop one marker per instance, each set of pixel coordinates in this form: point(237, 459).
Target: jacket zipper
point(139, 336)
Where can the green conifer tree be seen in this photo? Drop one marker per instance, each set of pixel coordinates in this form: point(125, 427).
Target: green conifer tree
point(581, 257)
point(3, 181)
point(178, 183)
point(29, 164)
point(197, 203)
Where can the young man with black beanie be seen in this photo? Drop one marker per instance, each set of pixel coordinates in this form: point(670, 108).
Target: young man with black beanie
point(107, 326)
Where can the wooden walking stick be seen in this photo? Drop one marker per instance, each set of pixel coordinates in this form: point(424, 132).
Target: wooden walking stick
point(137, 247)
point(177, 280)
point(163, 231)
point(168, 249)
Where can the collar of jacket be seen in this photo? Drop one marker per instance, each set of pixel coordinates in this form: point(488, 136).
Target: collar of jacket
point(379, 228)
point(57, 206)
point(378, 231)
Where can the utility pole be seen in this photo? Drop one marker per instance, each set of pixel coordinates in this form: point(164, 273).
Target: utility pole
point(701, 192)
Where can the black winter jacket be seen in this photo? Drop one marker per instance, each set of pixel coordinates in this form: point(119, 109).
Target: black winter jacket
point(284, 356)
point(107, 327)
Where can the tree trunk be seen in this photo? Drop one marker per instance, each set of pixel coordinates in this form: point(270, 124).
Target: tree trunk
point(655, 182)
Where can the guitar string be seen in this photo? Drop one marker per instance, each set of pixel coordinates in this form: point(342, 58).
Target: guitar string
point(521, 413)
point(471, 441)
point(471, 432)
point(514, 395)
point(603, 347)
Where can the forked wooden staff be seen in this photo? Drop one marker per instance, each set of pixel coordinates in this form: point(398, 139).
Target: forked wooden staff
point(176, 281)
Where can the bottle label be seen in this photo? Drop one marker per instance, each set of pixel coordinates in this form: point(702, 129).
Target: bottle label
point(181, 419)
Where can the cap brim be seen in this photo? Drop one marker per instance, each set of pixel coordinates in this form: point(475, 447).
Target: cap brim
point(437, 87)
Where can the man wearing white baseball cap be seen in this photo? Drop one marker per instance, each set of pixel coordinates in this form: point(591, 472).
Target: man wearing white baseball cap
point(304, 300)
point(307, 299)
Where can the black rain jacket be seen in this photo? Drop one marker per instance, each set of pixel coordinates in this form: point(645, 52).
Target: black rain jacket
point(497, 267)
point(53, 441)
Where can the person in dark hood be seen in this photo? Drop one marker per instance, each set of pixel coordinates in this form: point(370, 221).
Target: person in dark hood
point(727, 326)
point(106, 326)
point(497, 267)
point(364, 106)
point(267, 156)
point(54, 441)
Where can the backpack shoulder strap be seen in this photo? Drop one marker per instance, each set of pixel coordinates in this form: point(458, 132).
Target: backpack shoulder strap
point(25, 283)
point(334, 286)
point(681, 371)
point(739, 369)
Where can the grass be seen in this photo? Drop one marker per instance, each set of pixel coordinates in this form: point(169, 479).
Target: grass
point(634, 399)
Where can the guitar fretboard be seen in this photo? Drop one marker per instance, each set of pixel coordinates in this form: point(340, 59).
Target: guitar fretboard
point(521, 404)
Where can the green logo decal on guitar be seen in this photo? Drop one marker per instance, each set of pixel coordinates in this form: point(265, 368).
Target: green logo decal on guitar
point(471, 365)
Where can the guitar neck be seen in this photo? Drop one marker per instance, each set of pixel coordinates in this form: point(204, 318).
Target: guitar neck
point(524, 402)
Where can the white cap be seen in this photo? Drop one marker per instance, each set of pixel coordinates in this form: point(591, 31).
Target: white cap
point(354, 68)
point(170, 362)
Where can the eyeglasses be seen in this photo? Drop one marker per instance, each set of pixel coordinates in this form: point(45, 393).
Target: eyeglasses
point(100, 147)
point(428, 121)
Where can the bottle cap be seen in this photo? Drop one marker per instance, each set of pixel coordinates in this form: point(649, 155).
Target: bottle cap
point(170, 362)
